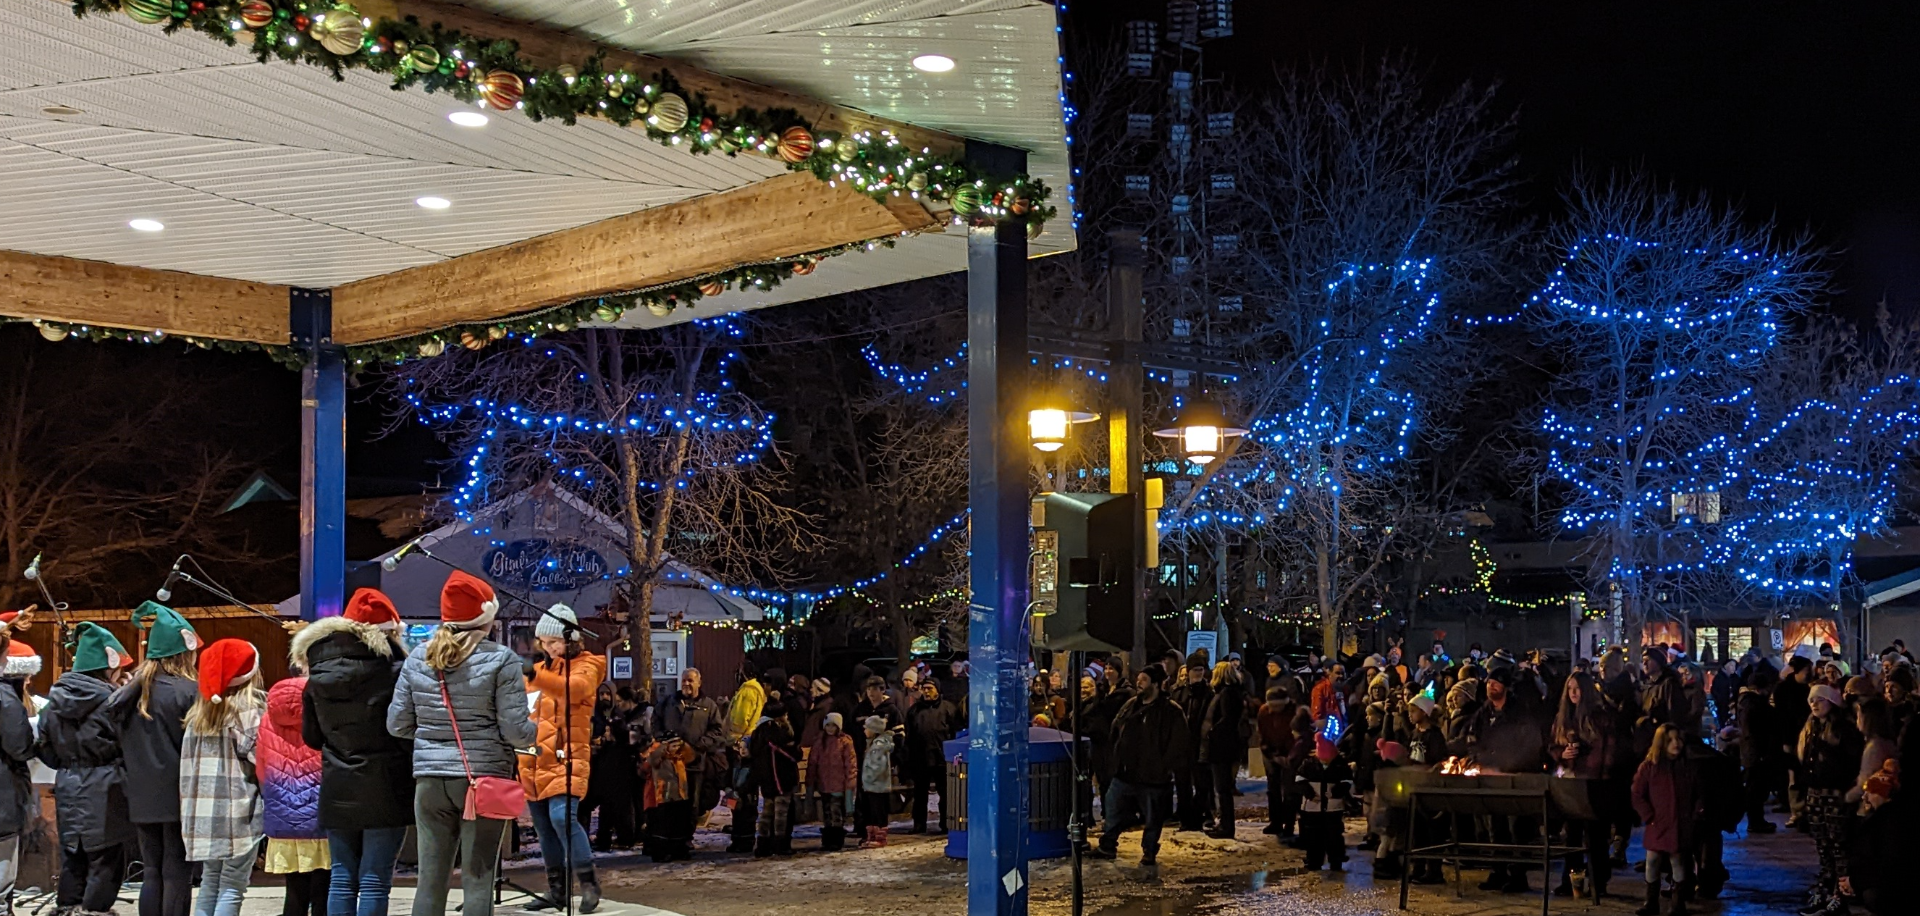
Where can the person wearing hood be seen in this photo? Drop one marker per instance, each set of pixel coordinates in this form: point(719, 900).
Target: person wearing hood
point(289, 775)
point(18, 799)
point(560, 689)
point(89, 791)
point(775, 752)
point(146, 721)
point(462, 700)
point(366, 774)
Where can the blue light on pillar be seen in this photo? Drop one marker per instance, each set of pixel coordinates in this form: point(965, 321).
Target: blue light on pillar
point(323, 455)
point(997, 639)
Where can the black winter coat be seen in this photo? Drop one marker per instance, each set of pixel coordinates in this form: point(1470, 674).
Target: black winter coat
point(18, 799)
point(89, 791)
point(1193, 700)
point(1224, 729)
point(775, 754)
point(1508, 740)
point(1754, 716)
point(930, 724)
point(1150, 741)
point(149, 745)
point(366, 774)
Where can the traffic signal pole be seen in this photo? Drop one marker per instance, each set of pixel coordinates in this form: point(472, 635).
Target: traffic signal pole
point(1126, 380)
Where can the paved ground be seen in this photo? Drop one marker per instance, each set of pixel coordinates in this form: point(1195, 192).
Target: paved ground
point(1251, 875)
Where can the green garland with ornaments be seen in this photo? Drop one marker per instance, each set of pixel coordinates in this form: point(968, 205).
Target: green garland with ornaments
point(490, 73)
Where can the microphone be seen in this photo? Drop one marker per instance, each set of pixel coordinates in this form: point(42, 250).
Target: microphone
point(165, 594)
point(393, 562)
point(33, 569)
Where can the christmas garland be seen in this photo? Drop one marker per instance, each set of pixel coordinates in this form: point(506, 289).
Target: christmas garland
point(659, 300)
point(491, 74)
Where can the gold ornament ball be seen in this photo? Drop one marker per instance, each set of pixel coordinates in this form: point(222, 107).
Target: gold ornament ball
point(501, 89)
point(1035, 228)
point(606, 313)
point(433, 348)
point(917, 181)
point(712, 288)
point(54, 332)
point(670, 113)
point(339, 30)
point(567, 73)
point(255, 14)
point(468, 340)
point(496, 332)
point(659, 309)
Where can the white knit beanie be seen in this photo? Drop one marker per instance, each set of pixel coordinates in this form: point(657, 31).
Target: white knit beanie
point(549, 627)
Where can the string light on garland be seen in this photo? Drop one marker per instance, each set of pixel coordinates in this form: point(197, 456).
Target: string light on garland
point(489, 70)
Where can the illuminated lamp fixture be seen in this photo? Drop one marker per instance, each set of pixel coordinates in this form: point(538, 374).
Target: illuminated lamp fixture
point(1202, 430)
point(1048, 423)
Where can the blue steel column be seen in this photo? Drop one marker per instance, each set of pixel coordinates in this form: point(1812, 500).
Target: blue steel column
point(997, 639)
point(323, 455)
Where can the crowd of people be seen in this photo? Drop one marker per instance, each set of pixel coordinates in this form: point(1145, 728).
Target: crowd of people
point(319, 776)
point(1683, 751)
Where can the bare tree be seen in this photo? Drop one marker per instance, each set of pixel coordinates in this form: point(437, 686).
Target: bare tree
point(110, 461)
point(648, 426)
point(1381, 209)
point(1662, 311)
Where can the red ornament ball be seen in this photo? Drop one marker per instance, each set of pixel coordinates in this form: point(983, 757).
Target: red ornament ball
point(795, 145)
point(501, 89)
point(706, 123)
point(197, 7)
point(712, 288)
point(301, 22)
point(255, 14)
point(802, 268)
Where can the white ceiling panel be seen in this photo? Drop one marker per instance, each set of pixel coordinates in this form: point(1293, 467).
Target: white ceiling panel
point(278, 173)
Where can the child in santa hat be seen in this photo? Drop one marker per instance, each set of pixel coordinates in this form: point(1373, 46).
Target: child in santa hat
point(220, 807)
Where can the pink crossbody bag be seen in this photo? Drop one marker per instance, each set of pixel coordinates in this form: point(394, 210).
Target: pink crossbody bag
point(487, 796)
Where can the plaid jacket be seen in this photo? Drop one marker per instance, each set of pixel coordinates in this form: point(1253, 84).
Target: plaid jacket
point(220, 809)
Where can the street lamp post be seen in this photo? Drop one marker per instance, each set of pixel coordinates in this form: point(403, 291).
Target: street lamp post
point(1203, 431)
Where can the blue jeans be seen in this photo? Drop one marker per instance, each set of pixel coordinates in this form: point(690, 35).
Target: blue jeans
point(224, 882)
point(362, 870)
point(1131, 803)
point(561, 809)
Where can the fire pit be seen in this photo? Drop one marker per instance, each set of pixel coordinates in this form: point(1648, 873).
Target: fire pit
point(1460, 789)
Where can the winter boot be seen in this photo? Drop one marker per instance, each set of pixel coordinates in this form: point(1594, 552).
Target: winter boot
point(877, 837)
point(556, 897)
point(833, 839)
point(1816, 902)
point(589, 891)
point(783, 846)
point(763, 847)
point(1652, 907)
point(1387, 866)
point(742, 840)
point(1682, 895)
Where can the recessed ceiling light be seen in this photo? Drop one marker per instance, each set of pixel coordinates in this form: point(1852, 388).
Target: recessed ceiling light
point(434, 203)
point(933, 63)
point(145, 225)
point(468, 118)
point(61, 111)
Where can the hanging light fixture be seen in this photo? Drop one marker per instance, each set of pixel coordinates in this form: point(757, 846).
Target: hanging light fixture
point(1050, 420)
point(1202, 430)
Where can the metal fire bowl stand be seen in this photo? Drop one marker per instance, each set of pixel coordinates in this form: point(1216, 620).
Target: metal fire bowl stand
point(1523, 795)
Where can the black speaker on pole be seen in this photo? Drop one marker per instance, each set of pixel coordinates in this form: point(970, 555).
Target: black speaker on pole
point(1083, 570)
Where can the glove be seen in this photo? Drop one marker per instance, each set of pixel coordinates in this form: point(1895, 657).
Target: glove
point(527, 667)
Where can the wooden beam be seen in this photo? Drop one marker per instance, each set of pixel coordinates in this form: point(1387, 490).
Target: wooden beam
point(548, 47)
point(73, 291)
point(781, 217)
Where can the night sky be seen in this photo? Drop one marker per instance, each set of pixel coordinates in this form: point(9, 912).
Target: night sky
point(1805, 111)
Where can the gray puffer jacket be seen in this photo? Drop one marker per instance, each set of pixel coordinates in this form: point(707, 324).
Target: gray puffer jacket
point(489, 702)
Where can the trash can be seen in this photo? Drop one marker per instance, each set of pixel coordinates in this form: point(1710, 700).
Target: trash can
point(1049, 804)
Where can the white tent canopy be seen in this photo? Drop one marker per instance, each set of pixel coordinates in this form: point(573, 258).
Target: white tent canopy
point(547, 546)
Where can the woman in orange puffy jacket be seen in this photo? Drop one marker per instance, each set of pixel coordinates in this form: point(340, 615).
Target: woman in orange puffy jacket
point(561, 693)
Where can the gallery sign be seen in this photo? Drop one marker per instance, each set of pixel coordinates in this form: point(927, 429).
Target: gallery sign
point(543, 565)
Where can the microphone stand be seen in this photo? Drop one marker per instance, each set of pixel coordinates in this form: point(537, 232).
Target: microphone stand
point(562, 748)
point(63, 631)
point(213, 588)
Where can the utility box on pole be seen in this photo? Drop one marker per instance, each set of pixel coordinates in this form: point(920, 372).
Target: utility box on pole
point(1090, 573)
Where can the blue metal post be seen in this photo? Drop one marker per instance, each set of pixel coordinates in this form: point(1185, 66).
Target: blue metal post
point(997, 639)
point(323, 455)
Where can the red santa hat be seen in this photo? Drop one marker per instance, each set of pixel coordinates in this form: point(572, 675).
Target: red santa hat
point(225, 663)
point(373, 608)
point(467, 603)
point(22, 661)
